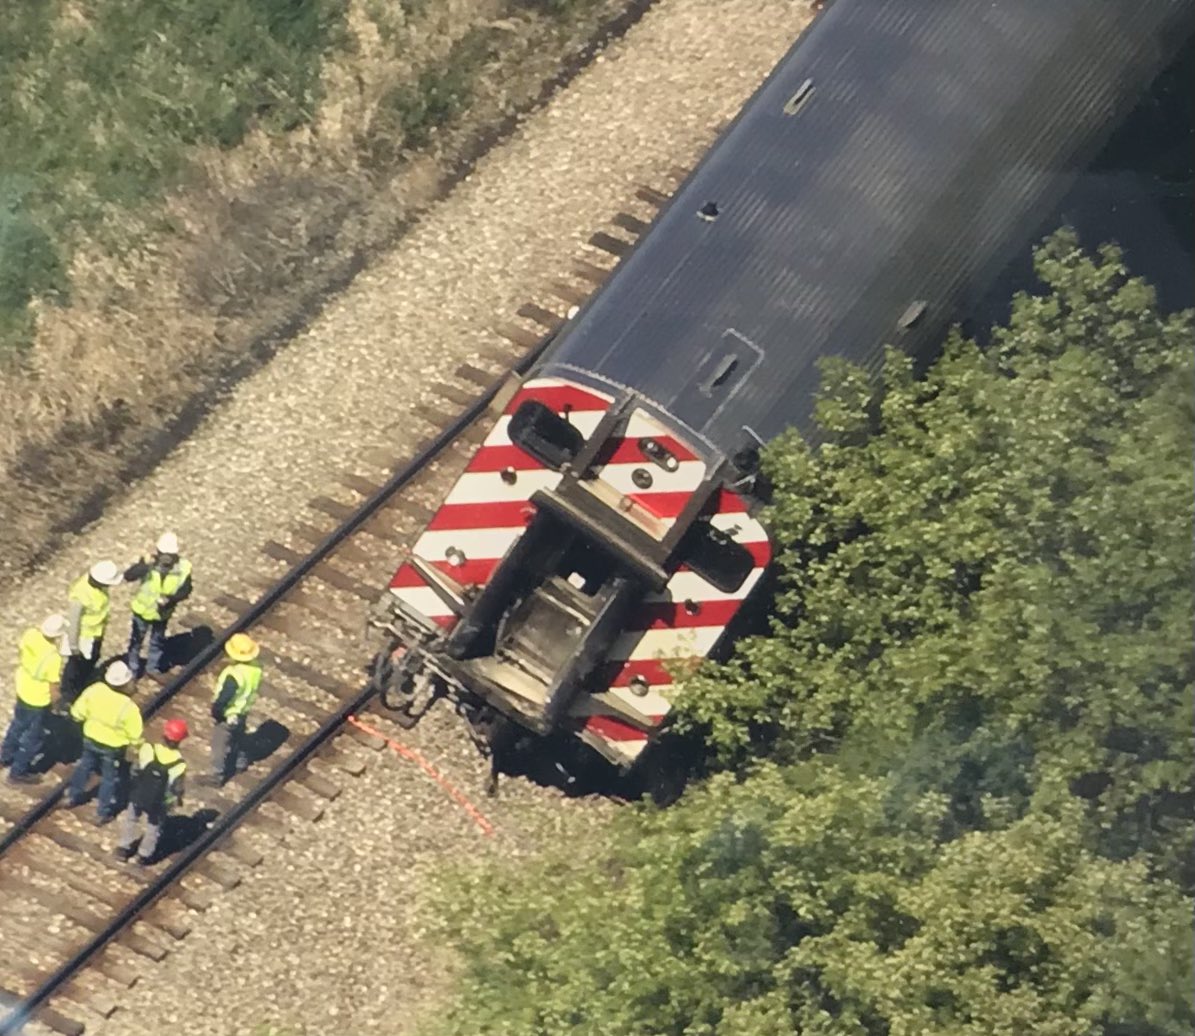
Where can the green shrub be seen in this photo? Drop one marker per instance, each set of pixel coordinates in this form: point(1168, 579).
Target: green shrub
point(410, 112)
point(100, 101)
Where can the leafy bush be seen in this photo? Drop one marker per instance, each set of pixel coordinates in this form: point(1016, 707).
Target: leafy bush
point(801, 901)
point(1003, 560)
point(409, 113)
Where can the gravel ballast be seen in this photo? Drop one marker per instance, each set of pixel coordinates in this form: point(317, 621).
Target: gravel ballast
point(323, 936)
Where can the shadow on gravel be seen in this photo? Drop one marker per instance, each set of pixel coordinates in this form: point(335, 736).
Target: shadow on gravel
point(263, 741)
point(183, 647)
point(181, 830)
point(562, 763)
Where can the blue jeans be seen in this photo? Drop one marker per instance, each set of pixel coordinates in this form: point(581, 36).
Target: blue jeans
point(228, 749)
point(25, 738)
point(107, 760)
point(157, 645)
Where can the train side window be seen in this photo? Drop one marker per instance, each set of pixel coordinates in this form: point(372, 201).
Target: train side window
point(544, 434)
point(717, 558)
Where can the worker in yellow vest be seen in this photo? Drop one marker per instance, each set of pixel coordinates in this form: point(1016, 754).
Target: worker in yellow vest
point(111, 723)
point(86, 620)
point(39, 671)
point(165, 580)
point(157, 788)
point(236, 690)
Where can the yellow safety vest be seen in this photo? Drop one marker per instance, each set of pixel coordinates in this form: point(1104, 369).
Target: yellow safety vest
point(155, 585)
point(248, 679)
point(95, 608)
point(40, 666)
point(171, 758)
point(109, 718)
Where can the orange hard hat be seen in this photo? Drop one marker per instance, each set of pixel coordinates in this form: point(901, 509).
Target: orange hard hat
point(175, 729)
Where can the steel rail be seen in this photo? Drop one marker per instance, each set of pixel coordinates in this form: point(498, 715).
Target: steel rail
point(269, 598)
point(220, 829)
point(272, 596)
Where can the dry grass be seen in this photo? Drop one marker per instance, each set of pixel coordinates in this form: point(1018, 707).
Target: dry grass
point(254, 236)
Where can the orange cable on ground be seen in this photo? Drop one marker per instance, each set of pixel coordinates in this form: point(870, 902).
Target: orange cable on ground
point(411, 755)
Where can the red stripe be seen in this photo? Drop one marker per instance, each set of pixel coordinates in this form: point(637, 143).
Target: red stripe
point(558, 397)
point(728, 502)
point(472, 571)
point(510, 514)
point(761, 552)
point(628, 452)
point(662, 505)
point(497, 514)
point(614, 729)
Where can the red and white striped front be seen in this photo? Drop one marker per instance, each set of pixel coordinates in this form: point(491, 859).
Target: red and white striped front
point(483, 515)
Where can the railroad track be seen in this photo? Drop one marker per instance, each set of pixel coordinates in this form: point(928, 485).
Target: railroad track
point(77, 924)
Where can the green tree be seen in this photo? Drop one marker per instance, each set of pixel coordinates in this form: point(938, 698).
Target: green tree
point(803, 901)
point(990, 573)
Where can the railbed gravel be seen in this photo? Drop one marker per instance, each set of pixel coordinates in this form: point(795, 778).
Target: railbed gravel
point(324, 935)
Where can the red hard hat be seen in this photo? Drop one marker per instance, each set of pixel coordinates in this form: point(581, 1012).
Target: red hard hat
point(175, 729)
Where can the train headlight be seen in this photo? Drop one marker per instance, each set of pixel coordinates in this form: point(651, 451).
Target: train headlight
point(455, 557)
point(638, 685)
point(656, 452)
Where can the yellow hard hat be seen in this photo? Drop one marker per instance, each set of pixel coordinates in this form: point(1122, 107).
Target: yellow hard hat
point(241, 647)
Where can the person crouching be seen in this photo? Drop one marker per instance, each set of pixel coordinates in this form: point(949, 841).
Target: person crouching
point(157, 788)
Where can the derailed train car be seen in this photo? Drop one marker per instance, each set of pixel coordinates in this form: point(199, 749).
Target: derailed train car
point(604, 536)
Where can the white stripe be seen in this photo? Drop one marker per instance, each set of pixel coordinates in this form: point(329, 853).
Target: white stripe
point(686, 586)
point(626, 751)
point(641, 425)
point(422, 599)
point(476, 544)
point(686, 478)
point(651, 704)
point(485, 487)
point(664, 644)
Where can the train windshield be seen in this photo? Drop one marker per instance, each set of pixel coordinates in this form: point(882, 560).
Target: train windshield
point(714, 556)
point(544, 434)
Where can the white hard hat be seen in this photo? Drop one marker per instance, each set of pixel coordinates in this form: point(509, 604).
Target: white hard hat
point(53, 626)
point(167, 543)
point(105, 573)
point(117, 674)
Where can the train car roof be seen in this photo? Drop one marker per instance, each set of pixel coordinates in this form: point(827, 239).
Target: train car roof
point(885, 172)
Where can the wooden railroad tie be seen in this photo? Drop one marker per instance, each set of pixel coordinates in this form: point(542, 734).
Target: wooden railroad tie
point(608, 243)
